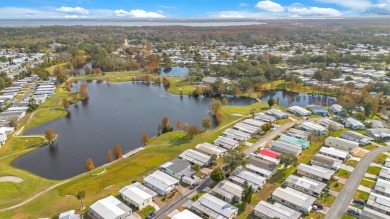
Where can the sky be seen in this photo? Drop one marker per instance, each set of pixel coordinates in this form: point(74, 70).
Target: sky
point(191, 8)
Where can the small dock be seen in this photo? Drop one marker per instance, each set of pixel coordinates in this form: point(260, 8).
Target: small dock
point(131, 153)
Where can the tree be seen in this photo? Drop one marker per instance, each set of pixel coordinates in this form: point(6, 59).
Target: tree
point(117, 151)
point(271, 102)
point(83, 91)
point(159, 129)
point(196, 167)
point(192, 130)
point(50, 135)
point(178, 124)
point(247, 193)
point(65, 104)
point(359, 116)
point(57, 70)
point(165, 123)
point(214, 158)
point(206, 122)
point(217, 175)
point(89, 164)
point(80, 196)
point(287, 159)
point(110, 156)
point(145, 138)
point(224, 101)
point(266, 127)
point(233, 159)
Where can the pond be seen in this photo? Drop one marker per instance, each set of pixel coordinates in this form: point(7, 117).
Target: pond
point(118, 113)
point(287, 99)
point(174, 71)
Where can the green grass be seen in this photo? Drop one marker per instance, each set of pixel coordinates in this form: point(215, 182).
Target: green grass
point(326, 199)
point(367, 183)
point(351, 163)
point(373, 170)
point(315, 215)
point(370, 147)
point(336, 186)
point(315, 145)
point(343, 173)
point(361, 195)
point(380, 159)
point(253, 140)
point(348, 216)
point(381, 143)
point(146, 211)
point(195, 197)
point(283, 121)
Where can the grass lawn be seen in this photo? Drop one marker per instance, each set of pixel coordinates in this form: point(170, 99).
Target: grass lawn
point(315, 145)
point(343, 173)
point(195, 197)
point(367, 183)
point(370, 147)
point(283, 121)
point(380, 159)
point(253, 140)
point(351, 163)
point(348, 216)
point(315, 215)
point(373, 170)
point(336, 186)
point(144, 212)
point(361, 195)
point(326, 199)
point(381, 143)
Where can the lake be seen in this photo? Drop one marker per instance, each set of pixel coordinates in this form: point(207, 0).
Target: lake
point(118, 113)
point(174, 71)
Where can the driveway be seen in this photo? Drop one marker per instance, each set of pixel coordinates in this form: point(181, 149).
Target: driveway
point(346, 167)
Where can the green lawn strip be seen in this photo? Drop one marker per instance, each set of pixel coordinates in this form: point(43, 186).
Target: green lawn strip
point(367, 183)
point(144, 212)
point(195, 197)
point(253, 140)
point(370, 147)
point(361, 195)
point(373, 170)
point(380, 159)
point(315, 215)
point(348, 216)
point(343, 173)
point(381, 143)
point(326, 199)
point(351, 163)
point(336, 186)
point(315, 145)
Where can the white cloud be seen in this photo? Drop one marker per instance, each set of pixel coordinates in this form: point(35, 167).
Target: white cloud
point(381, 8)
point(353, 4)
point(313, 11)
point(137, 13)
point(242, 4)
point(70, 10)
point(239, 14)
point(269, 6)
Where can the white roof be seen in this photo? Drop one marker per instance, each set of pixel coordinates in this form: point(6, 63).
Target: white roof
point(226, 142)
point(276, 145)
point(276, 210)
point(69, 215)
point(186, 214)
point(334, 152)
point(214, 206)
point(161, 180)
point(195, 157)
point(108, 208)
point(135, 194)
point(210, 148)
point(354, 121)
point(312, 126)
point(254, 122)
point(334, 141)
point(316, 170)
point(382, 186)
point(294, 196)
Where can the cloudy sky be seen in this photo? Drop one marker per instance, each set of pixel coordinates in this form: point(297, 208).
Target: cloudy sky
point(191, 8)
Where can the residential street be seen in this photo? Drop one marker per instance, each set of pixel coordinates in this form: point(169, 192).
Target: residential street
point(342, 201)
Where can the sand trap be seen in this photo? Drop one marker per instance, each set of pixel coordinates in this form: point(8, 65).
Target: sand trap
point(13, 179)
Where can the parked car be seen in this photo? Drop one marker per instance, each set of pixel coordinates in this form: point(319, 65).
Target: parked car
point(151, 215)
point(193, 186)
point(353, 211)
point(359, 201)
point(318, 205)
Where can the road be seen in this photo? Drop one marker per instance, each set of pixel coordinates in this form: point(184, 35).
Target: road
point(168, 208)
point(342, 201)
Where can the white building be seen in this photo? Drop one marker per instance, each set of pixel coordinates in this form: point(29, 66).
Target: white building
point(354, 123)
point(196, 157)
point(137, 195)
point(186, 214)
point(226, 143)
point(357, 137)
point(335, 153)
point(210, 149)
point(294, 199)
point(160, 182)
point(69, 215)
point(109, 208)
point(299, 111)
point(266, 210)
point(313, 128)
point(341, 144)
point(214, 208)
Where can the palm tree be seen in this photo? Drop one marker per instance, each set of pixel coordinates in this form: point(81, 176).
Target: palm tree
point(80, 195)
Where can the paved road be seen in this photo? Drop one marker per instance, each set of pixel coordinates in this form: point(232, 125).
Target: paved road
point(168, 208)
point(342, 201)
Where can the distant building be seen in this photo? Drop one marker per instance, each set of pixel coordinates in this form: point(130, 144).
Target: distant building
point(196, 157)
point(341, 143)
point(313, 128)
point(379, 134)
point(357, 137)
point(305, 185)
point(178, 168)
point(261, 167)
point(326, 162)
point(335, 153)
point(294, 199)
point(296, 133)
point(270, 211)
point(109, 208)
point(226, 143)
point(336, 109)
point(236, 135)
point(280, 146)
point(254, 122)
point(354, 123)
point(330, 124)
point(210, 149)
point(316, 109)
point(240, 176)
point(384, 173)
point(265, 118)
point(297, 141)
point(277, 113)
point(315, 172)
point(299, 111)
point(243, 127)
point(228, 191)
point(214, 208)
point(137, 195)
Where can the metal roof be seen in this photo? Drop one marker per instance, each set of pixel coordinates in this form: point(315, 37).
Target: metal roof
point(226, 142)
point(334, 152)
point(316, 171)
point(306, 183)
point(186, 214)
point(294, 196)
point(195, 157)
point(228, 189)
point(161, 180)
point(276, 210)
point(110, 208)
point(280, 145)
point(214, 207)
point(135, 194)
point(210, 148)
